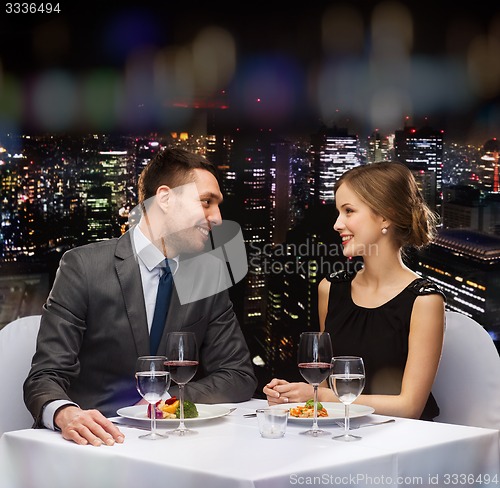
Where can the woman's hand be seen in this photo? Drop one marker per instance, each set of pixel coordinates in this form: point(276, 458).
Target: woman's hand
point(281, 391)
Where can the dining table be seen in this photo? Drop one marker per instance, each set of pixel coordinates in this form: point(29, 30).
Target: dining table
point(228, 452)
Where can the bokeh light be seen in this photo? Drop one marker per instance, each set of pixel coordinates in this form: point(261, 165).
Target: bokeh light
point(130, 29)
point(11, 103)
point(214, 59)
point(152, 68)
point(102, 94)
point(54, 101)
point(484, 66)
point(391, 30)
point(342, 31)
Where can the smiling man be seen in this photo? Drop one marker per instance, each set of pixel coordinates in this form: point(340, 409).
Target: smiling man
point(99, 314)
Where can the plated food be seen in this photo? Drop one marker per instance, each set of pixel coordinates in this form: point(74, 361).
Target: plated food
point(307, 410)
point(205, 412)
point(171, 408)
point(335, 412)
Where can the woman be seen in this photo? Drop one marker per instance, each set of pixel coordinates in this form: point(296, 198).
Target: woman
point(385, 312)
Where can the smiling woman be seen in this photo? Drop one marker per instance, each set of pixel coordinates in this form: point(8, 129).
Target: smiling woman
point(384, 313)
point(387, 195)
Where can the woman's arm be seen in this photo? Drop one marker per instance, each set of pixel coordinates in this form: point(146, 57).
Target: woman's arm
point(425, 344)
point(323, 294)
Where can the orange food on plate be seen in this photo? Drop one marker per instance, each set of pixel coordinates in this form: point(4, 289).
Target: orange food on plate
point(165, 409)
point(307, 411)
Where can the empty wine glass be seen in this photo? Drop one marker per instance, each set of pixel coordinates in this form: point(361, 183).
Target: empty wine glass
point(182, 360)
point(152, 382)
point(314, 356)
point(347, 380)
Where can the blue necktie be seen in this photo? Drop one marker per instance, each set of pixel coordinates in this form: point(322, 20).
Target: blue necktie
point(161, 308)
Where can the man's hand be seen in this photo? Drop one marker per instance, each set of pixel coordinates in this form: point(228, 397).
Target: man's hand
point(87, 427)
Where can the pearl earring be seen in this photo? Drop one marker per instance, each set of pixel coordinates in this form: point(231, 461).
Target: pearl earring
point(384, 231)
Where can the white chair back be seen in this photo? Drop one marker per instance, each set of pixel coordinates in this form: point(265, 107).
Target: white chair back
point(467, 384)
point(17, 346)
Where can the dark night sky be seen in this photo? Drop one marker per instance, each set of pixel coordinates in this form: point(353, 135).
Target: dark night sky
point(256, 30)
point(281, 49)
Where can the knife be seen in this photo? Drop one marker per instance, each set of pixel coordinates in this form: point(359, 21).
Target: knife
point(131, 426)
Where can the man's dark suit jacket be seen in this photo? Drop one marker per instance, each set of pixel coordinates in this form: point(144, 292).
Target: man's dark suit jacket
point(94, 327)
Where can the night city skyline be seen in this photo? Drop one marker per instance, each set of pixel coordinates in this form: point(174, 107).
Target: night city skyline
point(283, 102)
point(59, 191)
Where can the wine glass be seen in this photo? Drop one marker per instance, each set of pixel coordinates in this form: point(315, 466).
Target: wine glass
point(182, 360)
point(152, 382)
point(347, 380)
point(314, 356)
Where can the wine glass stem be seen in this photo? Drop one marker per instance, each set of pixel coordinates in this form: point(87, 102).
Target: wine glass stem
point(181, 406)
point(153, 419)
point(346, 422)
point(315, 414)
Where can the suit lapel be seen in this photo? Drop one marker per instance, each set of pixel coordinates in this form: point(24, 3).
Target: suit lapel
point(129, 276)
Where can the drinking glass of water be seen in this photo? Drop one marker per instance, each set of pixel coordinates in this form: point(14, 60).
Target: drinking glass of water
point(347, 380)
point(152, 381)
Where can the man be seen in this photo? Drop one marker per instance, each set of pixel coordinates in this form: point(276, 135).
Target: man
point(99, 313)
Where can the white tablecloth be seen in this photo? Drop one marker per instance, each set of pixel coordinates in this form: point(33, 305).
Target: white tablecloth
point(229, 452)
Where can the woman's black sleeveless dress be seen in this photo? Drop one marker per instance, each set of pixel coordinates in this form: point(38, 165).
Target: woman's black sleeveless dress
point(378, 335)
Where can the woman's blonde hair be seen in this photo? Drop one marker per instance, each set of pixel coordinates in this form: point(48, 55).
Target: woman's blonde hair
point(390, 190)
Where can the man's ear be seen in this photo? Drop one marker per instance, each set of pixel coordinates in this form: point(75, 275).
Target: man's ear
point(163, 196)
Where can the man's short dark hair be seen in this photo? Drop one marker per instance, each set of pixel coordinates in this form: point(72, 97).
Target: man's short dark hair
point(172, 167)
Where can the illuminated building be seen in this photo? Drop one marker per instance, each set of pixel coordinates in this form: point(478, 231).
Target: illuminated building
point(422, 151)
point(491, 214)
point(379, 148)
point(294, 269)
point(145, 149)
point(466, 265)
point(9, 210)
point(281, 190)
point(219, 151)
point(464, 207)
point(253, 155)
point(117, 166)
point(334, 152)
point(99, 213)
point(489, 166)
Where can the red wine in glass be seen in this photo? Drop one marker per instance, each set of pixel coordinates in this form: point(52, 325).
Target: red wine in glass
point(183, 371)
point(314, 362)
point(182, 361)
point(313, 373)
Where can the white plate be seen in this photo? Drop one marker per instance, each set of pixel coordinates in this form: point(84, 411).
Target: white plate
point(206, 412)
point(335, 411)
